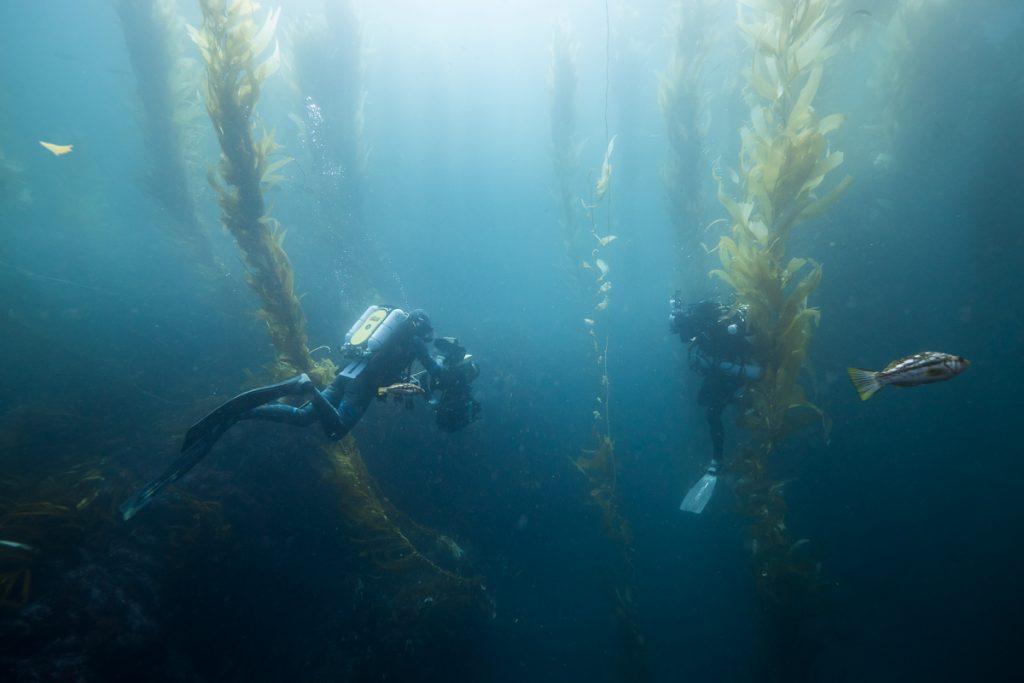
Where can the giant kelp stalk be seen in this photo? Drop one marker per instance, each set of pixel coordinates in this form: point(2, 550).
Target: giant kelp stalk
point(687, 116)
point(166, 83)
point(785, 160)
point(371, 527)
point(231, 42)
point(585, 255)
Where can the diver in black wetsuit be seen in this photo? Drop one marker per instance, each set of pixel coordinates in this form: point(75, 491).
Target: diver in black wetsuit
point(381, 346)
point(339, 407)
point(720, 350)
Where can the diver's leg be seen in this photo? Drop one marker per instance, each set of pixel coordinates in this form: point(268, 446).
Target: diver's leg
point(320, 407)
point(341, 422)
point(352, 398)
point(336, 422)
point(282, 413)
point(322, 404)
point(330, 418)
point(716, 391)
point(231, 411)
point(717, 430)
point(201, 438)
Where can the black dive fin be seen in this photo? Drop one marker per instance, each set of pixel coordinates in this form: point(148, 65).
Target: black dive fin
point(228, 412)
point(202, 436)
point(185, 462)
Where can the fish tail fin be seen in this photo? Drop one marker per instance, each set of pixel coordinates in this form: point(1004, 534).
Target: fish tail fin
point(865, 382)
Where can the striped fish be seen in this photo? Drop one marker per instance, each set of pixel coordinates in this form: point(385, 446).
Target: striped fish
point(921, 368)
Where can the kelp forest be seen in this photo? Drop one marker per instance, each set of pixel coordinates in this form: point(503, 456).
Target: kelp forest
point(199, 197)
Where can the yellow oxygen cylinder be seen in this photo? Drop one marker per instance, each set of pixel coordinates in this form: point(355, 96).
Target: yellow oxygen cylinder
point(369, 326)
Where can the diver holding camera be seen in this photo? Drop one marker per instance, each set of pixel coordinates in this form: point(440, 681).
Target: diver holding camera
point(380, 349)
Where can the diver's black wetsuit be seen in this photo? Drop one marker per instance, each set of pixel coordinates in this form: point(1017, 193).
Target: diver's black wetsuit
point(718, 337)
point(717, 391)
point(340, 406)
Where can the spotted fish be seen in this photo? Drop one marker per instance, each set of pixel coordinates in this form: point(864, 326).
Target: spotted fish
point(921, 368)
point(400, 389)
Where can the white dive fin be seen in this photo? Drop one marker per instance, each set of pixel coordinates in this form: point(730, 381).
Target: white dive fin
point(865, 382)
point(698, 496)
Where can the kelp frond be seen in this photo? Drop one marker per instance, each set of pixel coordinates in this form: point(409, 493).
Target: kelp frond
point(599, 469)
point(785, 159)
point(786, 178)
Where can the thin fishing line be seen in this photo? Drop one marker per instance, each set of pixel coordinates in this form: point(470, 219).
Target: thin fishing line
point(135, 305)
point(608, 222)
point(61, 281)
point(607, 62)
point(607, 78)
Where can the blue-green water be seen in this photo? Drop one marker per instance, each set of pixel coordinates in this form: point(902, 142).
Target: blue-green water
point(424, 178)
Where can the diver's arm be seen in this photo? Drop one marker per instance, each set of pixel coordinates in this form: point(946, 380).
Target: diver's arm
point(422, 354)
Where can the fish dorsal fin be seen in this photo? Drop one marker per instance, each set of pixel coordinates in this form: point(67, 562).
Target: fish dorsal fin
point(892, 365)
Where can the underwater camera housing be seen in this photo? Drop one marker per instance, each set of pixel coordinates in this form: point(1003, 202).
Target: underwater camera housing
point(456, 408)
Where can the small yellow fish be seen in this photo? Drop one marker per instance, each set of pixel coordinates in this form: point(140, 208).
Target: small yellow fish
point(921, 368)
point(58, 150)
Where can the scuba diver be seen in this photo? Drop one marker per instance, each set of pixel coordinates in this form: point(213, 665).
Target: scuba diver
point(380, 347)
point(721, 351)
